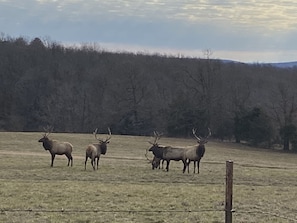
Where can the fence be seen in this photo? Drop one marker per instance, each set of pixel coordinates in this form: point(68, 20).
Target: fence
point(228, 208)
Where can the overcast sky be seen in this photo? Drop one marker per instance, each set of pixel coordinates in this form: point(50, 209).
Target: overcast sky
point(242, 30)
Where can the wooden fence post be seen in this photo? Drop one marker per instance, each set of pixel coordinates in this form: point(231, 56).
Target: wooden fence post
point(229, 191)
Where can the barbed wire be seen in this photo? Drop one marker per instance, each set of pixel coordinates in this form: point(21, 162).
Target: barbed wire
point(107, 211)
point(62, 210)
point(269, 213)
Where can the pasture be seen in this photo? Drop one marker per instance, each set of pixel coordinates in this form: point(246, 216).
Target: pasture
point(126, 189)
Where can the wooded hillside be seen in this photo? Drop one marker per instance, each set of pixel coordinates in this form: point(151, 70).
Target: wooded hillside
point(79, 89)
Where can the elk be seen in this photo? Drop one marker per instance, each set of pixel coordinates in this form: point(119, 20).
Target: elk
point(156, 160)
point(167, 153)
point(156, 163)
point(196, 153)
point(56, 147)
point(93, 151)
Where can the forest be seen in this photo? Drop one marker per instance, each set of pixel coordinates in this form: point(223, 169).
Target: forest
point(77, 89)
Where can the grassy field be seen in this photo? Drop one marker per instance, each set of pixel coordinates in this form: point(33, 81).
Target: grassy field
point(126, 189)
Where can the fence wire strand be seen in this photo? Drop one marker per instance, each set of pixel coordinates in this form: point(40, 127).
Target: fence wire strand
point(269, 214)
point(236, 212)
point(107, 211)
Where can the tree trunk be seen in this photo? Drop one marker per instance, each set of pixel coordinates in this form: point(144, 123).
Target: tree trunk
point(286, 144)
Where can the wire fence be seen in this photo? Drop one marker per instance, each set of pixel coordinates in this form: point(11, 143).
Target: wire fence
point(256, 211)
point(290, 216)
point(107, 211)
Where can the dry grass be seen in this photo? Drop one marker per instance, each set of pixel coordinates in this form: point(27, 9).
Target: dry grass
point(125, 189)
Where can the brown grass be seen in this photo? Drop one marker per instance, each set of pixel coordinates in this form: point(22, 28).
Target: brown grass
point(126, 189)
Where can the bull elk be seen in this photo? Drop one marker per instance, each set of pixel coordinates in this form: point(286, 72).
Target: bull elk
point(93, 151)
point(167, 153)
point(56, 147)
point(196, 153)
point(156, 160)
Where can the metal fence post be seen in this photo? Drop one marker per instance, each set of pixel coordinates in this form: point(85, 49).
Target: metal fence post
point(229, 191)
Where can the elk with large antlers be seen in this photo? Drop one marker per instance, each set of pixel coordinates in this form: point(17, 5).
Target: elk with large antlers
point(196, 153)
point(55, 147)
point(94, 150)
point(167, 153)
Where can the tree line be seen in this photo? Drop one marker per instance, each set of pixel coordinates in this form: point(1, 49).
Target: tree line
point(77, 89)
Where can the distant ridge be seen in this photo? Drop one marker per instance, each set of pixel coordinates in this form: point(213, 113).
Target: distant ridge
point(284, 64)
point(292, 64)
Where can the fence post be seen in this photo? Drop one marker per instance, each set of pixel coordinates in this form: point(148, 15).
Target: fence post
point(229, 191)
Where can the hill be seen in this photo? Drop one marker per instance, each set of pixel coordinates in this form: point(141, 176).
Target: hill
point(292, 64)
point(80, 89)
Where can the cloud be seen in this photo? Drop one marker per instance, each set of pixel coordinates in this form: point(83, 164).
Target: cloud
point(190, 25)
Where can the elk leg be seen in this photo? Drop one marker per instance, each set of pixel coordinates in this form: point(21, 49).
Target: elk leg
point(93, 163)
point(162, 164)
point(198, 163)
point(69, 159)
point(167, 166)
point(153, 163)
point(195, 166)
point(188, 165)
point(185, 165)
point(97, 162)
point(86, 162)
point(53, 157)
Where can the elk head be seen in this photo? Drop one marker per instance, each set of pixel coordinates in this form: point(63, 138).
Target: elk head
point(103, 143)
point(155, 144)
point(45, 140)
point(200, 140)
point(157, 137)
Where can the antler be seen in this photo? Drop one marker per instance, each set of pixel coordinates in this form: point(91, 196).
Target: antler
point(209, 133)
point(200, 138)
point(194, 133)
point(157, 137)
point(101, 140)
point(47, 130)
point(146, 151)
point(109, 135)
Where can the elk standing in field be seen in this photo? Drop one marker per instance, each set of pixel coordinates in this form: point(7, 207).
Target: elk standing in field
point(156, 160)
point(55, 147)
point(167, 153)
point(94, 151)
point(196, 153)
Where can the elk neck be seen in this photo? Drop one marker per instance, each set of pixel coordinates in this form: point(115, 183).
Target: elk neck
point(200, 150)
point(157, 151)
point(103, 147)
point(47, 144)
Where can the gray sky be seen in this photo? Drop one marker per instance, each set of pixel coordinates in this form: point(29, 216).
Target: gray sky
point(242, 30)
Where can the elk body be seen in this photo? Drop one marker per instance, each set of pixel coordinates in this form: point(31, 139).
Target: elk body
point(94, 151)
point(57, 148)
point(196, 153)
point(167, 153)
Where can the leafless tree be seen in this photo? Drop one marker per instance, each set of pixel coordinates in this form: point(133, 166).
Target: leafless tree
point(284, 107)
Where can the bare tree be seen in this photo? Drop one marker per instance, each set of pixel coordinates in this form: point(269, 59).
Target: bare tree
point(284, 109)
point(204, 84)
point(130, 92)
